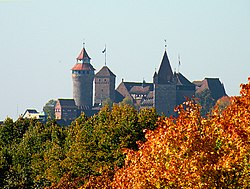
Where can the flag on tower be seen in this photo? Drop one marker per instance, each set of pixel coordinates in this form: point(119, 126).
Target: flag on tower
point(104, 50)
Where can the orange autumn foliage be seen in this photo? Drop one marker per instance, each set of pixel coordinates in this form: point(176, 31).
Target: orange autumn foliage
point(193, 152)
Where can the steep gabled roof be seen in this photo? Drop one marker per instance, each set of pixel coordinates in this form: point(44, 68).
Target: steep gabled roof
point(105, 72)
point(213, 85)
point(180, 79)
point(118, 97)
point(216, 87)
point(129, 85)
point(31, 111)
point(165, 73)
point(155, 75)
point(67, 102)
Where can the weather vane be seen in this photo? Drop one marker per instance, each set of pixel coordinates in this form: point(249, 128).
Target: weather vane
point(83, 42)
point(165, 43)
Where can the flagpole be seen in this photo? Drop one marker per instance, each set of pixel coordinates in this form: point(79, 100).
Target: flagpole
point(179, 62)
point(105, 55)
point(105, 51)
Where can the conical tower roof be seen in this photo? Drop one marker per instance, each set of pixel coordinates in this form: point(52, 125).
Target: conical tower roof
point(165, 73)
point(83, 62)
point(83, 55)
point(155, 75)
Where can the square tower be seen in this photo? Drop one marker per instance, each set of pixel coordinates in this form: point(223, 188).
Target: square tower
point(104, 86)
point(164, 88)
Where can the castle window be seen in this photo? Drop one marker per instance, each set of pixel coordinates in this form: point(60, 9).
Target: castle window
point(87, 72)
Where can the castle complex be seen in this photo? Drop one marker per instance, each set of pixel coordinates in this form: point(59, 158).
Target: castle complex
point(168, 89)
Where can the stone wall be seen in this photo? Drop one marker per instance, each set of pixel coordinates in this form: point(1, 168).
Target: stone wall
point(165, 98)
point(183, 92)
point(104, 89)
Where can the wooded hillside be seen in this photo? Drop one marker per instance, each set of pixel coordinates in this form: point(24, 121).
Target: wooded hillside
point(124, 148)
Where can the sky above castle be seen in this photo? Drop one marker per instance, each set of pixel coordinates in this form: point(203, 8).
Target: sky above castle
point(40, 40)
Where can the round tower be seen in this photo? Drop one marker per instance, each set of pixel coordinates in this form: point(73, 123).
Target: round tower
point(83, 76)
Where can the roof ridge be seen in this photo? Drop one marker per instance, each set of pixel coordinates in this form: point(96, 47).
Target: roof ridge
point(105, 71)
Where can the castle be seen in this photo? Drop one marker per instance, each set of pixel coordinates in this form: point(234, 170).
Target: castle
point(168, 89)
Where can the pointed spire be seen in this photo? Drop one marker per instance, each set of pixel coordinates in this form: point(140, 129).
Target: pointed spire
point(165, 73)
point(155, 77)
point(83, 56)
point(155, 74)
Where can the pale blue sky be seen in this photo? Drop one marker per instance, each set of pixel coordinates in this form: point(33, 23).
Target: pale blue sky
point(39, 41)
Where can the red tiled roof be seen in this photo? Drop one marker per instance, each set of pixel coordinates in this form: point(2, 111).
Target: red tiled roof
point(214, 85)
point(83, 66)
point(83, 54)
point(139, 90)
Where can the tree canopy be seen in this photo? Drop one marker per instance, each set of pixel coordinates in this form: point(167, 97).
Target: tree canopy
point(49, 108)
point(193, 152)
point(121, 147)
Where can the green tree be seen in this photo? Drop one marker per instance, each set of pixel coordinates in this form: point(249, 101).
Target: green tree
point(108, 102)
point(49, 108)
point(11, 134)
point(127, 101)
point(32, 159)
point(96, 143)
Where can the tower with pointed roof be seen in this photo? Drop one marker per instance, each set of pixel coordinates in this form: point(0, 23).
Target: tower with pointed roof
point(164, 88)
point(104, 86)
point(83, 76)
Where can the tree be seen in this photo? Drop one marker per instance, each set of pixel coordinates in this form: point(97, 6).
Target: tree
point(127, 101)
point(96, 143)
point(11, 134)
point(206, 101)
point(49, 108)
point(192, 151)
point(31, 153)
point(108, 102)
point(223, 103)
